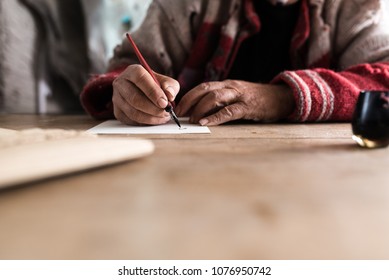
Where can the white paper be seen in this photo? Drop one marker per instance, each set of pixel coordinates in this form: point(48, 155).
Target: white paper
point(116, 127)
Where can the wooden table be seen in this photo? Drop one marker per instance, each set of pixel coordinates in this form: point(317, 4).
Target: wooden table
point(247, 191)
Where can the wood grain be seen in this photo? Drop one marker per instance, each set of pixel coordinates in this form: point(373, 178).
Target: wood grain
point(246, 191)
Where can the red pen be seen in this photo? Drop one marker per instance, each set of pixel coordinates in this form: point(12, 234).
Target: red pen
point(143, 62)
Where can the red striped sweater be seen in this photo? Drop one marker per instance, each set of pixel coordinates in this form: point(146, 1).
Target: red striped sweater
point(338, 49)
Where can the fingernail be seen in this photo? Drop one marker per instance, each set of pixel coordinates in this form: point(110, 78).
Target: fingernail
point(162, 102)
point(203, 122)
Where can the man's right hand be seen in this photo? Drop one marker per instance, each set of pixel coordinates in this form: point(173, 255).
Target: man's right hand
point(137, 99)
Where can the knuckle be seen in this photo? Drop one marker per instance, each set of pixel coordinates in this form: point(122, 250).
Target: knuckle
point(205, 86)
point(231, 82)
point(234, 85)
point(235, 111)
point(229, 112)
point(217, 94)
point(212, 96)
point(217, 119)
point(134, 68)
point(116, 82)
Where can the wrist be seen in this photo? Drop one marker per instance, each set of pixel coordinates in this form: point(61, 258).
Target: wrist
point(286, 102)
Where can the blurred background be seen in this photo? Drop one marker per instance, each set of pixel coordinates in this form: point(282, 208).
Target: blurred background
point(48, 49)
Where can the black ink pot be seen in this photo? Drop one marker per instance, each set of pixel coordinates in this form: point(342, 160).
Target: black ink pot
point(370, 122)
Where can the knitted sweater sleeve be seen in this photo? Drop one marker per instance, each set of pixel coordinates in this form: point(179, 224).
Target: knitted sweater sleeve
point(96, 96)
point(326, 95)
point(360, 54)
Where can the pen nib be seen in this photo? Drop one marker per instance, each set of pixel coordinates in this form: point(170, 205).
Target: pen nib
point(173, 115)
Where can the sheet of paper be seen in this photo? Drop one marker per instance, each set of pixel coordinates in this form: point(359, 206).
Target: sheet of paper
point(116, 127)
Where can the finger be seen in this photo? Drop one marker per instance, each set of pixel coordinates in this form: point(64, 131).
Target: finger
point(127, 114)
point(212, 102)
point(143, 118)
point(144, 81)
point(132, 116)
point(120, 116)
point(127, 93)
point(229, 113)
point(192, 97)
point(170, 86)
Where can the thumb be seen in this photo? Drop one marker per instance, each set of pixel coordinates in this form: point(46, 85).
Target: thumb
point(170, 86)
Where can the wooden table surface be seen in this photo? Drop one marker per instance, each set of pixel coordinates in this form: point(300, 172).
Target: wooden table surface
point(245, 191)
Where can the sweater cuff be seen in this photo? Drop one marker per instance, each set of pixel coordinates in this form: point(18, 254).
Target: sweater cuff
point(313, 97)
point(96, 96)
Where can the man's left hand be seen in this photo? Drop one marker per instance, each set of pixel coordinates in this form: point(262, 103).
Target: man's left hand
point(214, 103)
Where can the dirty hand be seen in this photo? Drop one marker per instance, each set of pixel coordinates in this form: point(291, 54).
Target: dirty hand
point(137, 99)
point(214, 103)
